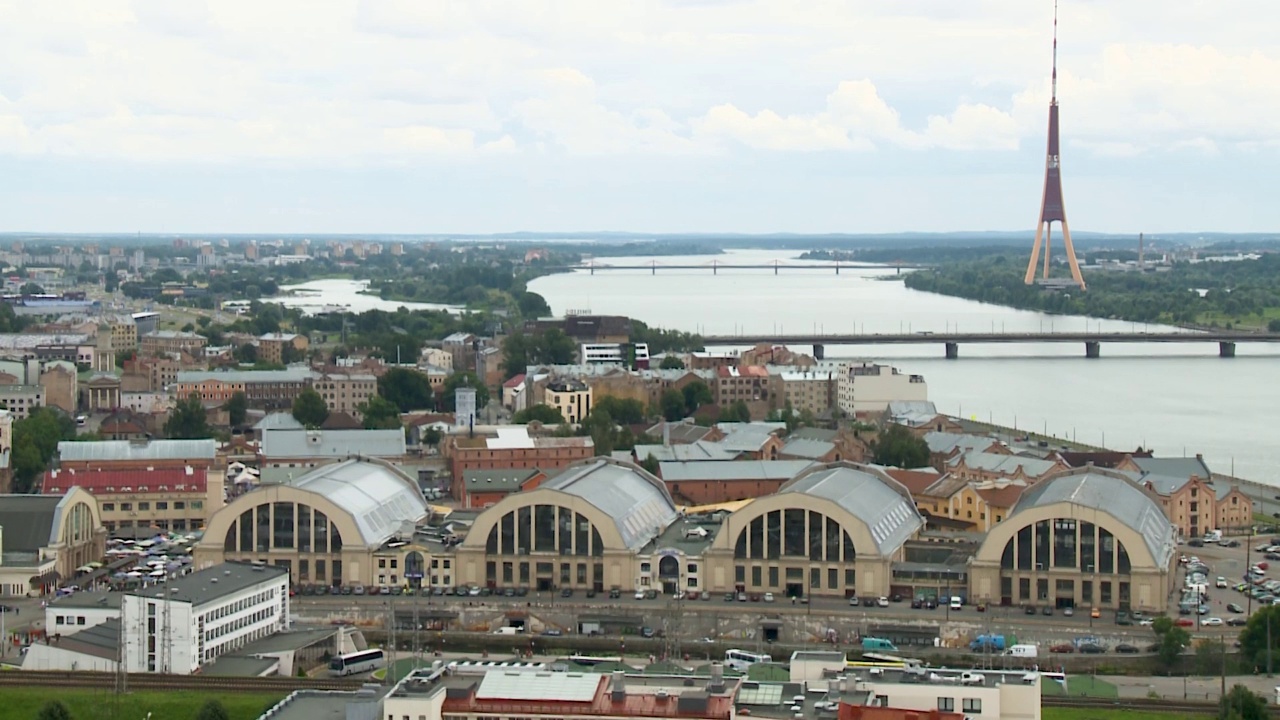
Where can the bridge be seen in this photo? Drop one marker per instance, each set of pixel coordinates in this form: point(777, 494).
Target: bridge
point(951, 341)
point(715, 266)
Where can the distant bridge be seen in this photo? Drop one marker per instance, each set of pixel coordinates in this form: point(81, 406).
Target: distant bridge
point(715, 266)
point(951, 341)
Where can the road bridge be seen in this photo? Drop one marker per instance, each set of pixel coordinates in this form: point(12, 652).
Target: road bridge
point(951, 341)
point(715, 266)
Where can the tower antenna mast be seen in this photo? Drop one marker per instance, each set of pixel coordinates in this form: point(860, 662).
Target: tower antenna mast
point(1053, 82)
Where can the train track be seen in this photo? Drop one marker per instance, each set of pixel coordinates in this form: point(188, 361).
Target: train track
point(149, 681)
point(1185, 707)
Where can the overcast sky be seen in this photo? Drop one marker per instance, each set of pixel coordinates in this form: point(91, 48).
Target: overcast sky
point(423, 116)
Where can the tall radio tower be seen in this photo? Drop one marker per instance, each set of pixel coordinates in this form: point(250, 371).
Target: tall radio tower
point(1051, 206)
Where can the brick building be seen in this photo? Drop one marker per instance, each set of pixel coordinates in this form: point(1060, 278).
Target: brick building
point(165, 342)
point(706, 483)
point(513, 449)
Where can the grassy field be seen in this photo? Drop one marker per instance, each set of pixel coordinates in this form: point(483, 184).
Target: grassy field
point(24, 703)
point(1053, 713)
point(1080, 686)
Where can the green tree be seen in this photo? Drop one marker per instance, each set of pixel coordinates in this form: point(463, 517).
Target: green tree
point(10, 322)
point(696, 394)
point(309, 408)
point(380, 414)
point(1241, 703)
point(431, 436)
point(516, 351)
point(1253, 638)
point(237, 407)
point(672, 362)
point(533, 305)
point(213, 710)
point(31, 289)
point(1171, 640)
point(1273, 326)
point(600, 426)
point(53, 710)
point(246, 354)
point(625, 411)
point(556, 348)
point(672, 405)
point(544, 414)
point(406, 389)
point(897, 447)
point(462, 380)
point(651, 464)
point(188, 420)
point(1210, 654)
point(35, 440)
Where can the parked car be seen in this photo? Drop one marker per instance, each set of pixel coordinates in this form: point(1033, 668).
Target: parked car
point(883, 602)
point(1095, 613)
point(1047, 610)
point(1127, 649)
point(1185, 622)
point(1029, 610)
point(1062, 648)
point(1092, 648)
point(1212, 622)
point(768, 597)
point(614, 593)
point(917, 603)
point(1235, 608)
point(730, 597)
point(1237, 622)
point(640, 594)
point(1068, 612)
point(566, 593)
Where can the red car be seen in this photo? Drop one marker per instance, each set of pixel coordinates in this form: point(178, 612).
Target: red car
point(1185, 622)
point(1063, 648)
point(1262, 565)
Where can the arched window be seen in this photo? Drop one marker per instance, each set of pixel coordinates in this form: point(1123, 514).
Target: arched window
point(229, 543)
point(1006, 558)
point(1122, 559)
point(335, 539)
point(414, 568)
point(669, 567)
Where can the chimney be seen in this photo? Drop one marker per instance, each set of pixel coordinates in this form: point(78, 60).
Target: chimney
point(619, 685)
point(717, 678)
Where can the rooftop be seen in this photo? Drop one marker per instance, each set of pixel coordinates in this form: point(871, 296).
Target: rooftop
point(123, 450)
point(22, 341)
point(28, 521)
point(295, 443)
point(676, 471)
point(173, 334)
point(101, 640)
point(213, 583)
point(1174, 467)
point(867, 494)
point(807, 448)
point(378, 496)
point(698, 451)
point(291, 374)
point(944, 443)
point(636, 501)
point(278, 421)
point(188, 479)
point(499, 480)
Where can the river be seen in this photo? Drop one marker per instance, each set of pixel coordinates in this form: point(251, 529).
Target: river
point(1174, 399)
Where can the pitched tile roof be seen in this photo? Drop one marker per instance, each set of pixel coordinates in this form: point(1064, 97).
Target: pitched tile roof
point(189, 479)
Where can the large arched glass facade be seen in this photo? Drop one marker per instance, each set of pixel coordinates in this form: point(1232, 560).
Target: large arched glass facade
point(796, 551)
point(306, 534)
point(543, 547)
point(1062, 562)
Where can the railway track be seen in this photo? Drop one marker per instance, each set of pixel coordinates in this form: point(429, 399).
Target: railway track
point(149, 681)
point(1184, 707)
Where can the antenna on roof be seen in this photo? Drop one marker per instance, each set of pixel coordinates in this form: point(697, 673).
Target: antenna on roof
point(1053, 90)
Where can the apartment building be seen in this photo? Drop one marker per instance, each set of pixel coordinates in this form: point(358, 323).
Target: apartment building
point(345, 392)
point(272, 347)
point(165, 342)
point(571, 397)
point(864, 388)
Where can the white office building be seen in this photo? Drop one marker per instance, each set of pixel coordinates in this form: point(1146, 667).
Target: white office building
point(174, 627)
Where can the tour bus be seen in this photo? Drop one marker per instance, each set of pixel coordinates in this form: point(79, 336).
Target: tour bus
point(357, 662)
point(740, 660)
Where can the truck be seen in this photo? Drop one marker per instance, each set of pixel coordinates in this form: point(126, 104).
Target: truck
point(1213, 536)
point(1024, 650)
point(987, 643)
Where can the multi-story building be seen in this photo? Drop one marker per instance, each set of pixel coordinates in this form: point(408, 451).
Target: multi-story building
point(124, 332)
point(571, 397)
point(61, 385)
point(437, 356)
point(747, 383)
point(22, 400)
point(272, 347)
point(812, 391)
point(513, 448)
point(864, 388)
point(200, 617)
point(268, 389)
point(167, 499)
point(706, 483)
point(344, 392)
point(166, 342)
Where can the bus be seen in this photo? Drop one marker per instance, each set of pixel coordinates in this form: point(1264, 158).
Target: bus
point(740, 660)
point(591, 660)
point(357, 662)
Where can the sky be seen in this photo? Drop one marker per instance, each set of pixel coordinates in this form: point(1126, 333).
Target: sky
point(651, 116)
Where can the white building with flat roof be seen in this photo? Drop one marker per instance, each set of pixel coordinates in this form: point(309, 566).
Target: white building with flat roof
point(869, 388)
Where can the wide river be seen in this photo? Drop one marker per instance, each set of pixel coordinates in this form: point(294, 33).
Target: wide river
point(1174, 399)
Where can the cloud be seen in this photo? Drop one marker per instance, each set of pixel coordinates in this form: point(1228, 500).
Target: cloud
point(357, 82)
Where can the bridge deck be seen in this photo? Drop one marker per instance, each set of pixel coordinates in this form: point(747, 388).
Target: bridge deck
point(925, 338)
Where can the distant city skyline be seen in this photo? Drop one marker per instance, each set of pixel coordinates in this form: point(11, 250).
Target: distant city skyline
point(699, 116)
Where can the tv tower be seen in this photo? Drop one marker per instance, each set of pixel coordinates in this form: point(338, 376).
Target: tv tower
point(1051, 206)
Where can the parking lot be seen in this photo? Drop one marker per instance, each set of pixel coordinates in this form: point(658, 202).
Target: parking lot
point(1231, 564)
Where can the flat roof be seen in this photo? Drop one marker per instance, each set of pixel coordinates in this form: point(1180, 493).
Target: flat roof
point(209, 585)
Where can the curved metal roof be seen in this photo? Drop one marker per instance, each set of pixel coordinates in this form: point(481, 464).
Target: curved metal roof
point(378, 497)
point(1112, 493)
point(876, 499)
point(638, 503)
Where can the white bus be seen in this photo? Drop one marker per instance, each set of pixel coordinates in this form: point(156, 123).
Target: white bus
point(357, 662)
point(740, 660)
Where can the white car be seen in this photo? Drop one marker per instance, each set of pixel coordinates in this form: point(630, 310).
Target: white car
point(1211, 622)
point(768, 597)
point(1222, 582)
point(883, 602)
point(1148, 622)
point(639, 594)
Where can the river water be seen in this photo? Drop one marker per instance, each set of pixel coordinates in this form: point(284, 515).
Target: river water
point(1174, 399)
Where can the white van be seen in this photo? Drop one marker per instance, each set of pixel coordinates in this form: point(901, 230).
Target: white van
point(957, 603)
point(1022, 651)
